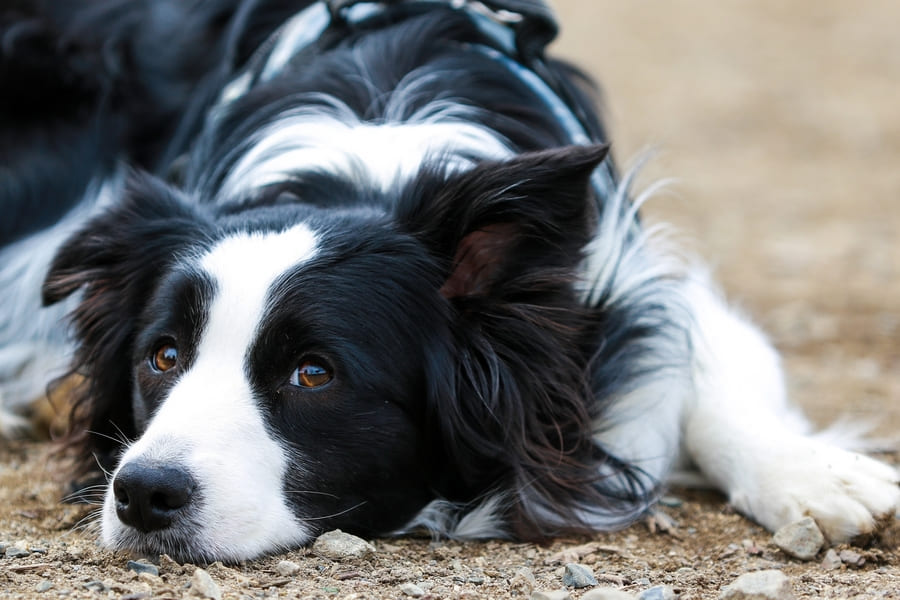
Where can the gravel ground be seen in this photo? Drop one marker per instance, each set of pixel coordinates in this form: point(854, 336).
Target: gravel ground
point(780, 123)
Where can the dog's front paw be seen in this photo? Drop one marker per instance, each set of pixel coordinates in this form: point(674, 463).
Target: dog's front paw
point(845, 492)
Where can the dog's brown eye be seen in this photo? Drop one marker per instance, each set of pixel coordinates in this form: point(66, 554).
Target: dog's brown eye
point(165, 358)
point(311, 374)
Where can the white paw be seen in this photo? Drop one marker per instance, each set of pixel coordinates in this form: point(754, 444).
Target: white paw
point(846, 493)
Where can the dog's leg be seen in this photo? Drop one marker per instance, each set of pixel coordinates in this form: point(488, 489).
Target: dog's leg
point(749, 442)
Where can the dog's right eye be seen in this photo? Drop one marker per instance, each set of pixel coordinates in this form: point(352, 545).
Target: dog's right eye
point(310, 374)
point(164, 358)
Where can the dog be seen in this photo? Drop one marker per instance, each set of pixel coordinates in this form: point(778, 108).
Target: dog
point(366, 266)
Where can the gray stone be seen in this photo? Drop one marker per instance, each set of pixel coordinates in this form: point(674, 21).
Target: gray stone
point(338, 545)
point(16, 552)
point(95, 586)
point(671, 501)
point(551, 595)
point(760, 585)
point(287, 568)
point(659, 592)
point(831, 561)
point(852, 559)
point(578, 576)
point(801, 539)
point(203, 585)
point(411, 589)
point(522, 581)
point(607, 593)
point(43, 585)
point(142, 566)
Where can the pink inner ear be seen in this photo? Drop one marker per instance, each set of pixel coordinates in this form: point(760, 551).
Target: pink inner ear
point(479, 256)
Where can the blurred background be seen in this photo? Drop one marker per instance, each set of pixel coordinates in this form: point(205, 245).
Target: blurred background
point(780, 122)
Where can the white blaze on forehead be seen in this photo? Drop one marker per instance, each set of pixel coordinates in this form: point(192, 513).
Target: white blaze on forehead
point(211, 423)
point(244, 267)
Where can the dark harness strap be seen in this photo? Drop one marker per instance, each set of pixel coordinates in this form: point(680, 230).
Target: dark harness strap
point(532, 21)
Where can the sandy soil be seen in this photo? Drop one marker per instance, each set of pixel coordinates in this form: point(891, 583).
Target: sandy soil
point(780, 123)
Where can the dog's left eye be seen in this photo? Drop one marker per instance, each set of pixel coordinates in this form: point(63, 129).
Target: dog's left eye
point(311, 373)
point(164, 358)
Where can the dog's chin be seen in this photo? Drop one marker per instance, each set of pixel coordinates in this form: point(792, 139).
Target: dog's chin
point(193, 541)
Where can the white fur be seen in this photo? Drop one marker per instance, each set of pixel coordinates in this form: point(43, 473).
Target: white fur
point(628, 266)
point(745, 438)
point(458, 521)
point(34, 344)
point(238, 466)
point(726, 404)
point(334, 140)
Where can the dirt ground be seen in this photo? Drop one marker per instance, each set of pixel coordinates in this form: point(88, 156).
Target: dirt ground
point(780, 123)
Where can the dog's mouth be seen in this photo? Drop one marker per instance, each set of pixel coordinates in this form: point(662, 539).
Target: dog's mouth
point(188, 539)
point(182, 544)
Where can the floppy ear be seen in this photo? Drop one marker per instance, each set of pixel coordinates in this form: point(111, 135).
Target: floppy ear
point(116, 259)
point(514, 412)
point(504, 220)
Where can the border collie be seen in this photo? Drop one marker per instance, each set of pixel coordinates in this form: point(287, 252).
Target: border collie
point(365, 266)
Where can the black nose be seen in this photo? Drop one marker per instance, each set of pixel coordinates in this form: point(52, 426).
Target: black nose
point(148, 496)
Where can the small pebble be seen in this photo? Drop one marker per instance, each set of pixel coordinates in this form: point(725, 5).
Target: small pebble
point(671, 501)
point(759, 585)
point(852, 559)
point(411, 589)
point(203, 585)
point(607, 593)
point(16, 552)
point(831, 561)
point(801, 539)
point(142, 566)
point(522, 581)
point(337, 545)
point(287, 568)
point(578, 576)
point(551, 595)
point(95, 586)
point(43, 586)
point(659, 592)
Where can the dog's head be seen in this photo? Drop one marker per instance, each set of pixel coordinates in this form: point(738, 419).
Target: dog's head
point(328, 357)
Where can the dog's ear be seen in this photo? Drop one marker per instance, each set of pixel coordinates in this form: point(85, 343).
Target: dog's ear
point(116, 259)
point(123, 250)
point(513, 411)
point(502, 220)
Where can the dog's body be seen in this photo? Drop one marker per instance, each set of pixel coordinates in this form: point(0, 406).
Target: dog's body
point(387, 286)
